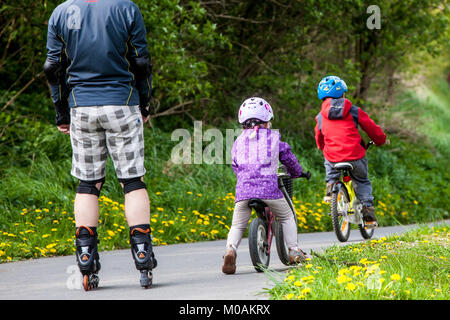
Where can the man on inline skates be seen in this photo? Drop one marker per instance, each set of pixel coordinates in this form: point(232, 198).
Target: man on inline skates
point(99, 72)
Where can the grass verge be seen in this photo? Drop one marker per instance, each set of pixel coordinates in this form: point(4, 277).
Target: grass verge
point(411, 266)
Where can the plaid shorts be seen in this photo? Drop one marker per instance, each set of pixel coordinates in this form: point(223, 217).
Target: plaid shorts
point(98, 130)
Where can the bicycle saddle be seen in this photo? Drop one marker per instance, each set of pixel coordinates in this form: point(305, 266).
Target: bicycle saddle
point(343, 166)
point(257, 204)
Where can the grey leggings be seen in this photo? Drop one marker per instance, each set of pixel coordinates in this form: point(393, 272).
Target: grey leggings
point(362, 185)
point(280, 209)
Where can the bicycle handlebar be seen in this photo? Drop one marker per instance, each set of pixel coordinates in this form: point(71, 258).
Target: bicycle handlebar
point(369, 144)
point(306, 175)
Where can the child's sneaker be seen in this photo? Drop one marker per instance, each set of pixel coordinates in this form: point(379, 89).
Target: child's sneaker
point(369, 216)
point(296, 256)
point(229, 261)
point(327, 197)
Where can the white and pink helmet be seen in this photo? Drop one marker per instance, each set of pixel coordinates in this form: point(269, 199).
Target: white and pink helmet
point(255, 108)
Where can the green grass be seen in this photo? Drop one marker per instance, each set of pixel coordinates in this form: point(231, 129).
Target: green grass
point(426, 112)
point(414, 265)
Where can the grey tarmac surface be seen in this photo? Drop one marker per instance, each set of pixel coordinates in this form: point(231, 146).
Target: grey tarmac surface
point(185, 272)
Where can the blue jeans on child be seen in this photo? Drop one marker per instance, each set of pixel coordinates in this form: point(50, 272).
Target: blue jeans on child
point(359, 174)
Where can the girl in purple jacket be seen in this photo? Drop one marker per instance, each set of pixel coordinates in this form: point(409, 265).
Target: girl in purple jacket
point(255, 154)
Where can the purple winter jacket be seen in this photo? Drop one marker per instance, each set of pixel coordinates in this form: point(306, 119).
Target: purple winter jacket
point(255, 162)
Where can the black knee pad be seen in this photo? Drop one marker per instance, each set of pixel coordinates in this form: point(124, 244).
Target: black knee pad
point(132, 184)
point(89, 187)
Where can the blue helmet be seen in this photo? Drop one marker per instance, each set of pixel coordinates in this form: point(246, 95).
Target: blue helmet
point(331, 87)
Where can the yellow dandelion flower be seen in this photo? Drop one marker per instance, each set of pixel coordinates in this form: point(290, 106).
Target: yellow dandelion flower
point(289, 296)
point(298, 283)
point(395, 277)
point(350, 286)
point(343, 278)
point(306, 290)
point(111, 233)
point(363, 261)
point(160, 209)
point(343, 271)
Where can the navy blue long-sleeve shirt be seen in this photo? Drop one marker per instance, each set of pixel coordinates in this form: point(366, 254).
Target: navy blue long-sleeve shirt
point(98, 39)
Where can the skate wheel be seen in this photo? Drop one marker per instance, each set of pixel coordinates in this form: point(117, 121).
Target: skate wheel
point(86, 285)
point(90, 282)
point(93, 280)
point(146, 279)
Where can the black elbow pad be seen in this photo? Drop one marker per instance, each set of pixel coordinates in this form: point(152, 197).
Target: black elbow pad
point(141, 67)
point(52, 71)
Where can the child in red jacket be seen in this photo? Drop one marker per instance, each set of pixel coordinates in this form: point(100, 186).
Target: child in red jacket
point(338, 137)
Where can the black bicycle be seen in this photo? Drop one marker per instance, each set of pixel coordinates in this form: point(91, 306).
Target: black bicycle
point(265, 226)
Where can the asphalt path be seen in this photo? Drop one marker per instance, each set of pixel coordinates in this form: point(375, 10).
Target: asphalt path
point(185, 272)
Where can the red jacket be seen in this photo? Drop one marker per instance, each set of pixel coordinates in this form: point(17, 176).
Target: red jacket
point(337, 130)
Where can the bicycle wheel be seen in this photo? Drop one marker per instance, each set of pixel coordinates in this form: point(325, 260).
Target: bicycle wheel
point(365, 233)
point(282, 248)
point(340, 204)
point(258, 245)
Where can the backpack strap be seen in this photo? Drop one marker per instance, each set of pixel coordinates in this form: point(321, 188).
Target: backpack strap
point(354, 111)
point(319, 121)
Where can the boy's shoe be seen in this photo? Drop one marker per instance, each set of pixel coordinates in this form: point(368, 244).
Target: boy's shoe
point(296, 256)
point(369, 216)
point(327, 197)
point(229, 261)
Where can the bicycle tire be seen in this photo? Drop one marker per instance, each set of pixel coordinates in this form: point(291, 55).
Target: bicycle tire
point(282, 249)
point(257, 242)
point(341, 225)
point(365, 233)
